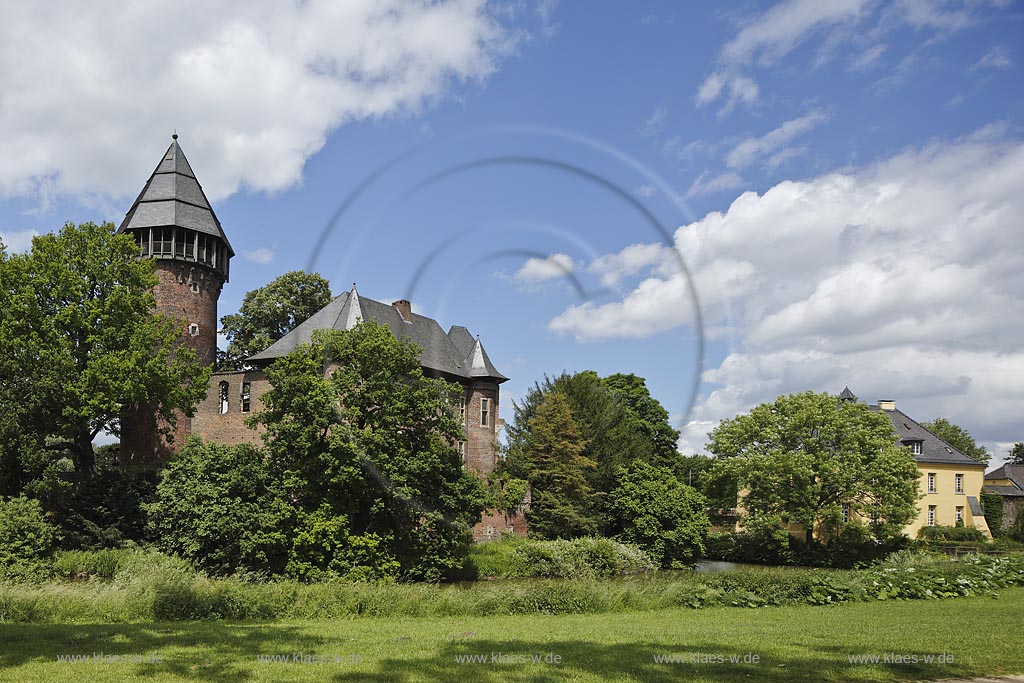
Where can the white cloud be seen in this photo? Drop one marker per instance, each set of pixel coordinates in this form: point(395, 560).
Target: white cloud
point(18, 241)
point(636, 258)
point(996, 58)
point(254, 88)
point(262, 255)
point(538, 270)
point(901, 278)
point(656, 122)
point(868, 59)
point(752, 149)
point(706, 183)
point(646, 191)
point(736, 88)
point(776, 31)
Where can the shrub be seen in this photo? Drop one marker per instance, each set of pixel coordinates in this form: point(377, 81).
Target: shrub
point(951, 533)
point(222, 508)
point(578, 558)
point(90, 564)
point(27, 539)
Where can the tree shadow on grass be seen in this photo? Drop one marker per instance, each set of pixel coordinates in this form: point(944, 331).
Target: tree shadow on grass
point(492, 661)
point(223, 652)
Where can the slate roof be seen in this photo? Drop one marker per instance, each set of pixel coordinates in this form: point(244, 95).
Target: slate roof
point(455, 353)
point(847, 395)
point(172, 197)
point(933, 449)
point(1015, 473)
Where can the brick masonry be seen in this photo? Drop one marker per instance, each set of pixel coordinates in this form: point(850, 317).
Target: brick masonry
point(187, 292)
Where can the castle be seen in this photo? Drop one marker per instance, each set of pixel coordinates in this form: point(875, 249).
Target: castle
point(173, 223)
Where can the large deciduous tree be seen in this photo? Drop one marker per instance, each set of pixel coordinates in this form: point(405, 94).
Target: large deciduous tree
point(959, 438)
point(1016, 456)
point(365, 446)
point(79, 341)
point(805, 458)
point(650, 416)
point(269, 313)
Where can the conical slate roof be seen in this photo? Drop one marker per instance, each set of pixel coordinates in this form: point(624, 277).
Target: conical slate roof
point(172, 197)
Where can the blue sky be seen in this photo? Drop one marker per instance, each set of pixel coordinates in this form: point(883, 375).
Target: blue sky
point(837, 184)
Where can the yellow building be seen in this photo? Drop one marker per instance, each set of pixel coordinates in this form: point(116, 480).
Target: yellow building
point(950, 481)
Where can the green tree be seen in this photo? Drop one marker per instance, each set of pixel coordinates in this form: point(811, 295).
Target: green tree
point(224, 509)
point(959, 438)
point(563, 504)
point(27, 538)
point(79, 342)
point(365, 446)
point(650, 416)
point(1016, 456)
point(653, 510)
point(269, 313)
point(804, 458)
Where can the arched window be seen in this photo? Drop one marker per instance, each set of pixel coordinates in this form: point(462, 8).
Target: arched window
point(224, 398)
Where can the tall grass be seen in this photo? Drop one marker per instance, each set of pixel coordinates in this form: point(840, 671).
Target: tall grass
point(148, 586)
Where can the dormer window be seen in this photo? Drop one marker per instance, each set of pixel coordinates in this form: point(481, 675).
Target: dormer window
point(914, 446)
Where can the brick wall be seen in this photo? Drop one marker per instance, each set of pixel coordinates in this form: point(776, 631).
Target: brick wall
point(189, 293)
point(213, 424)
point(481, 455)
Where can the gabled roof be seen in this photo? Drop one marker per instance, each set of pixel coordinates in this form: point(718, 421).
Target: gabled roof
point(455, 354)
point(172, 197)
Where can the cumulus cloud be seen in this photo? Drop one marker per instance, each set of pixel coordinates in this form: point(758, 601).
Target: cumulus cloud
point(751, 149)
point(253, 88)
point(539, 270)
point(901, 278)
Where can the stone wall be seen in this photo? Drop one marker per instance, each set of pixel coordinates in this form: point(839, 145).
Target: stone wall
point(214, 423)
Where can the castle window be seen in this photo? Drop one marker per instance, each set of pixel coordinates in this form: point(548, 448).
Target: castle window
point(163, 242)
point(193, 330)
point(462, 409)
point(485, 412)
point(959, 483)
point(180, 241)
point(931, 482)
point(846, 512)
point(143, 240)
point(462, 448)
point(224, 398)
point(931, 515)
point(959, 515)
point(245, 396)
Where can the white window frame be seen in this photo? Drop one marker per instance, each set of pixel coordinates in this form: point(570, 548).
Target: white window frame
point(225, 397)
point(931, 515)
point(959, 514)
point(245, 405)
point(932, 482)
point(959, 485)
point(915, 447)
point(462, 409)
point(485, 412)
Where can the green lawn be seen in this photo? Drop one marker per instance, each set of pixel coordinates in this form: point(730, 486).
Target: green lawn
point(802, 643)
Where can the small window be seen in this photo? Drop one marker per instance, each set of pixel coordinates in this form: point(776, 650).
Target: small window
point(846, 512)
point(195, 287)
point(931, 515)
point(193, 330)
point(245, 396)
point(959, 483)
point(931, 482)
point(462, 409)
point(462, 448)
point(915, 447)
point(224, 398)
point(959, 515)
point(485, 412)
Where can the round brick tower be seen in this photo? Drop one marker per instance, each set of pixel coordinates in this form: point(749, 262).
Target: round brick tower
point(174, 224)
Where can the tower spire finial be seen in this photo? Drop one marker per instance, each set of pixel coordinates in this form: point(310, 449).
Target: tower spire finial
point(174, 134)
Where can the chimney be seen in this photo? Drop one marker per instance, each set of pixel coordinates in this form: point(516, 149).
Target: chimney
point(887, 404)
point(404, 309)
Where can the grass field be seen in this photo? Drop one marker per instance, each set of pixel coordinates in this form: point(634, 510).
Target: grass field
point(799, 643)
